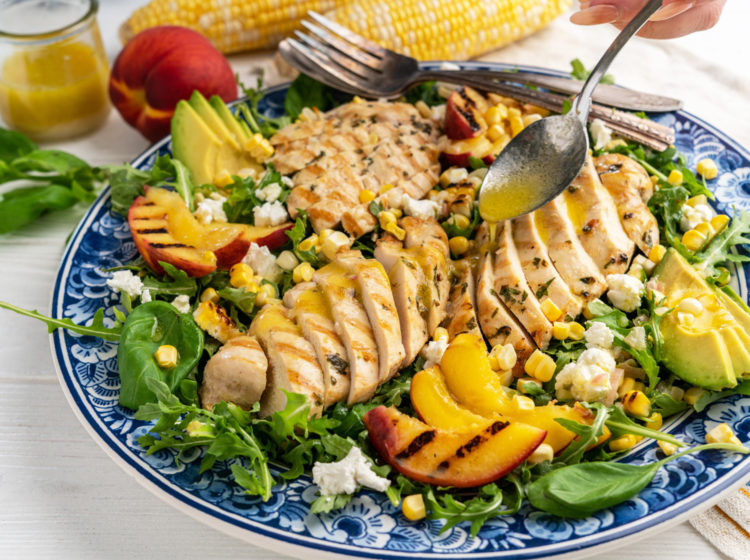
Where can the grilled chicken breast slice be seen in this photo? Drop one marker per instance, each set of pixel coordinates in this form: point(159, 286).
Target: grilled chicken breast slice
point(630, 187)
point(353, 326)
point(292, 364)
point(513, 290)
point(462, 317)
point(568, 255)
point(374, 288)
point(309, 310)
point(595, 220)
point(541, 275)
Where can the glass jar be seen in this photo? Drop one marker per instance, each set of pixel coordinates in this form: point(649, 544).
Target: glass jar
point(53, 68)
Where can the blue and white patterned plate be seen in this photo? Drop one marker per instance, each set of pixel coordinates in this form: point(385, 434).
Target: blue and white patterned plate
point(370, 527)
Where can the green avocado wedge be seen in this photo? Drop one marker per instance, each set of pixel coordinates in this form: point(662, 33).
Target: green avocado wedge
point(194, 143)
point(214, 121)
point(230, 121)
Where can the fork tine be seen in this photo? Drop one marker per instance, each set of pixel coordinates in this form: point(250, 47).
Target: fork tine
point(326, 64)
point(364, 44)
point(344, 47)
point(305, 65)
point(345, 62)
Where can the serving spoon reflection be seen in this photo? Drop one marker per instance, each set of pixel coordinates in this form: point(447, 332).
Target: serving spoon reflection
point(545, 157)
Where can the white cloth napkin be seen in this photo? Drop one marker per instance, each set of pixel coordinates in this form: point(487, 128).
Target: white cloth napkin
point(727, 525)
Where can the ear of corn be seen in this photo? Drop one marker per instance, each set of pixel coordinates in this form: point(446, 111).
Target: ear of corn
point(424, 29)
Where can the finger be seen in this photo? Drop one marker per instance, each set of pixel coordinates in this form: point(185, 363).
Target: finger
point(620, 12)
point(699, 18)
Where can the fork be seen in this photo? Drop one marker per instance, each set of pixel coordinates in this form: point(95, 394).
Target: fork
point(347, 61)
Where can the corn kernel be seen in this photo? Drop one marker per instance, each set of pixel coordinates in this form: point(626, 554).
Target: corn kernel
point(385, 188)
point(303, 272)
point(214, 320)
point(459, 245)
point(506, 377)
point(719, 222)
point(675, 177)
point(240, 275)
point(495, 132)
point(696, 200)
point(656, 253)
point(504, 355)
point(543, 453)
point(366, 195)
point(704, 228)
point(576, 331)
point(677, 393)
point(623, 442)
point(636, 403)
point(655, 421)
point(528, 385)
point(309, 243)
point(516, 125)
point(397, 212)
point(530, 118)
point(654, 180)
point(540, 366)
point(560, 330)
point(265, 293)
point(223, 179)
point(166, 356)
point(693, 240)
point(386, 217)
point(550, 310)
point(453, 175)
point(707, 168)
point(496, 114)
point(424, 109)
point(460, 221)
point(440, 333)
point(523, 404)
point(690, 305)
point(722, 434)
point(333, 243)
point(396, 231)
point(209, 294)
point(413, 507)
point(533, 361)
point(667, 448)
point(693, 394)
point(287, 260)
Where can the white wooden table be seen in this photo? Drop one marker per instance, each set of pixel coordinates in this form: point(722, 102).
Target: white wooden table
point(62, 497)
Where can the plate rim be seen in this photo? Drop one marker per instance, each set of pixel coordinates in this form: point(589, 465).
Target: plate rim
point(290, 543)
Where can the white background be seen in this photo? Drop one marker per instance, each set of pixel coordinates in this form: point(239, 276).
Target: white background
point(61, 496)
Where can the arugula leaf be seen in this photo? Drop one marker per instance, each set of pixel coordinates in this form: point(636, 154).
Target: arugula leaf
point(14, 145)
point(587, 435)
point(579, 72)
point(477, 163)
point(305, 92)
point(452, 229)
point(666, 405)
point(426, 92)
point(299, 232)
point(97, 327)
point(743, 388)
point(326, 504)
point(23, 205)
point(719, 249)
point(178, 282)
point(127, 183)
point(259, 123)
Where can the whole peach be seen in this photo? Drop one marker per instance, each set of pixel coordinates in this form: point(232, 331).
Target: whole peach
point(159, 67)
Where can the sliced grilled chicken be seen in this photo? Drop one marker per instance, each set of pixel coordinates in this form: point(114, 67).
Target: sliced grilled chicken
point(292, 364)
point(374, 288)
point(498, 324)
point(236, 374)
point(421, 232)
point(309, 310)
point(409, 296)
point(568, 255)
point(541, 275)
point(630, 187)
point(595, 220)
point(511, 287)
point(462, 317)
point(353, 326)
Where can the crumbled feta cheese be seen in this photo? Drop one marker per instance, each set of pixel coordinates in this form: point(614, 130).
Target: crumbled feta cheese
point(211, 210)
point(438, 113)
point(125, 281)
point(181, 304)
point(145, 296)
point(636, 338)
point(263, 263)
point(424, 209)
point(433, 351)
point(598, 335)
point(600, 133)
point(270, 214)
point(287, 182)
point(269, 193)
point(588, 378)
point(624, 291)
point(694, 215)
point(343, 477)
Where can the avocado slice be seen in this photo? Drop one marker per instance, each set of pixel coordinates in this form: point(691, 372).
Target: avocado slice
point(213, 120)
point(230, 121)
point(194, 144)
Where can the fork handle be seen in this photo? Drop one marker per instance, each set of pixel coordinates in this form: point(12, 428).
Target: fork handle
point(650, 133)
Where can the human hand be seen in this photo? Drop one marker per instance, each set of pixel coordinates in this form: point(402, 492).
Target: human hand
point(674, 19)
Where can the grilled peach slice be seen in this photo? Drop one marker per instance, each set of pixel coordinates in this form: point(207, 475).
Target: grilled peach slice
point(463, 459)
point(463, 114)
point(458, 152)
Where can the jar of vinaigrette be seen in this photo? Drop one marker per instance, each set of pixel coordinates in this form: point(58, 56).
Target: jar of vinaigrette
point(53, 68)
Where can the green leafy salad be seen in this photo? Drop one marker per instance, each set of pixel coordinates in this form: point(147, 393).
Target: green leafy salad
point(618, 369)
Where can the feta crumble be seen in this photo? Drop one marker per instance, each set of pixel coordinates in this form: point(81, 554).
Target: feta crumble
point(181, 303)
point(287, 182)
point(423, 209)
point(598, 335)
point(270, 214)
point(600, 133)
point(433, 351)
point(145, 296)
point(263, 262)
point(588, 378)
point(211, 210)
point(636, 338)
point(694, 215)
point(269, 193)
point(343, 477)
point(126, 282)
point(624, 291)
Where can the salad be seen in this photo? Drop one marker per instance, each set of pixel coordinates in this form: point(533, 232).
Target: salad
point(318, 292)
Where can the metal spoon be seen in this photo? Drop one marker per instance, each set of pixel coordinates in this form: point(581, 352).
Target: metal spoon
point(545, 157)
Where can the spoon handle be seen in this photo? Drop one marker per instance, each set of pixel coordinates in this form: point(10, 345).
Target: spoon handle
point(582, 103)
